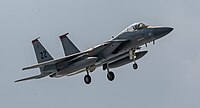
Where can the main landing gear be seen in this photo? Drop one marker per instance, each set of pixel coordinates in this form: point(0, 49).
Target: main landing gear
point(87, 78)
point(110, 74)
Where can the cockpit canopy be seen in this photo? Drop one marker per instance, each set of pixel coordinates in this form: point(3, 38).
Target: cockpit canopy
point(136, 26)
point(139, 26)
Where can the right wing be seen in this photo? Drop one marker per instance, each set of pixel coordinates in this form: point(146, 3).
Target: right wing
point(106, 46)
point(67, 58)
point(114, 45)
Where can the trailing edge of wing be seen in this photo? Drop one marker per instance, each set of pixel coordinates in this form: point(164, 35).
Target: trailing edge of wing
point(50, 62)
point(33, 77)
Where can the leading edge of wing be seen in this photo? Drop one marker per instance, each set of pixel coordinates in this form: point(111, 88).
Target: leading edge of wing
point(117, 40)
point(55, 61)
point(33, 77)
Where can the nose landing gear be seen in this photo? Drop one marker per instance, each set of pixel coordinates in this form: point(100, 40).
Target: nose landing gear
point(135, 66)
point(132, 56)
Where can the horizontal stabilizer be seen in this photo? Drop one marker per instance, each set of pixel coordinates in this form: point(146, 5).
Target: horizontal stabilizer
point(33, 77)
point(66, 58)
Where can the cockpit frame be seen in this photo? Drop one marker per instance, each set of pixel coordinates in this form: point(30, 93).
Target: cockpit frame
point(134, 27)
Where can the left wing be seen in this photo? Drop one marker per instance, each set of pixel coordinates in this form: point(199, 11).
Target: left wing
point(34, 77)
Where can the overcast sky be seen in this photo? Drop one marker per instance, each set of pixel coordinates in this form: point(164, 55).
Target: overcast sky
point(168, 76)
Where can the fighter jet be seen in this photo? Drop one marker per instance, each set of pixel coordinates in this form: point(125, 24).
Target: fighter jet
point(120, 50)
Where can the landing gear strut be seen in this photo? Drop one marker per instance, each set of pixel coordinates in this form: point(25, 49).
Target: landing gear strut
point(87, 78)
point(132, 56)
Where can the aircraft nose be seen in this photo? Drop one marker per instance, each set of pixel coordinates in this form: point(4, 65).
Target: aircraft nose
point(162, 31)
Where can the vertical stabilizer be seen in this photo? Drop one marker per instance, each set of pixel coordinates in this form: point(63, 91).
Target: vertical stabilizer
point(42, 55)
point(68, 46)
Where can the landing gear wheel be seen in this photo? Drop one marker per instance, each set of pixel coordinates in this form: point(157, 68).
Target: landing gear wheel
point(135, 66)
point(87, 79)
point(110, 76)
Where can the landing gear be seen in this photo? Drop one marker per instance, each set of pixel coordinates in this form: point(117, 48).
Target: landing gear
point(87, 78)
point(132, 56)
point(110, 76)
point(135, 66)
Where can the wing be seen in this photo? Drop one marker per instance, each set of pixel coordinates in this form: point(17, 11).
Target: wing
point(67, 58)
point(106, 47)
point(113, 46)
point(99, 48)
point(33, 77)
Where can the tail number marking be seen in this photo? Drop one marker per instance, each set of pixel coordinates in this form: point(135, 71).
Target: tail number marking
point(43, 54)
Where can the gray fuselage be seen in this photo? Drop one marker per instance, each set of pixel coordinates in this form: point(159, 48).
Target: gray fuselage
point(116, 51)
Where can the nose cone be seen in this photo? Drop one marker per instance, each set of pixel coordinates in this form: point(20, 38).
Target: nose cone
point(162, 31)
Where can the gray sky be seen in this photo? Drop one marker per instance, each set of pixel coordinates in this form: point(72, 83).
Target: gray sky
point(168, 76)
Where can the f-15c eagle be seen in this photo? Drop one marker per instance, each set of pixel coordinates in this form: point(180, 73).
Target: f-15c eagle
point(122, 49)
